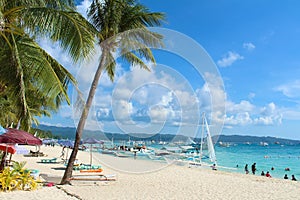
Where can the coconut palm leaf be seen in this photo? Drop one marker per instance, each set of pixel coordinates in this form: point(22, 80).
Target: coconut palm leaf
point(28, 73)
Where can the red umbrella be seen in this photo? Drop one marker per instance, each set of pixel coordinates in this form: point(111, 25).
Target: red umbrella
point(8, 148)
point(16, 136)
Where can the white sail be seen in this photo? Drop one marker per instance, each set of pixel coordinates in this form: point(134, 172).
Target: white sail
point(210, 145)
point(190, 141)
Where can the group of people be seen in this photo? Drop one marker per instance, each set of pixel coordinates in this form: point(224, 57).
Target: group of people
point(253, 170)
point(266, 174)
point(293, 177)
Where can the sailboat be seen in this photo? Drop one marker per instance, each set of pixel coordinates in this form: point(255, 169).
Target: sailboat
point(210, 146)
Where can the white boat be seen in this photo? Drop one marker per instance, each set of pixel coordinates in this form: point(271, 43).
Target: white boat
point(122, 155)
point(224, 144)
point(105, 151)
point(263, 144)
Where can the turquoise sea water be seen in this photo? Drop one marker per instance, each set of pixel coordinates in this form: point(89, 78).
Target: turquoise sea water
point(235, 157)
point(276, 156)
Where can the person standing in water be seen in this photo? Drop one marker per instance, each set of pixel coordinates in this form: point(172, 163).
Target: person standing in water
point(253, 168)
point(246, 169)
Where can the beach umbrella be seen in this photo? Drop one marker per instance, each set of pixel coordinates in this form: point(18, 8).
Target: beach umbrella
point(91, 141)
point(15, 136)
point(67, 143)
point(8, 148)
point(49, 141)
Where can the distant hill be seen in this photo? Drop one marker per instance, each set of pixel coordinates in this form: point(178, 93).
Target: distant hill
point(69, 132)
point(255, 139)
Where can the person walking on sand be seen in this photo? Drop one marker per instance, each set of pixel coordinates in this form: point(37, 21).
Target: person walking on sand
point(214, 167)
point(246, 169)
point(293, 178)
point(63, 152)
point(253, 168)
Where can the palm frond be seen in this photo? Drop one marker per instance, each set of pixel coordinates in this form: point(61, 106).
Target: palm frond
point(74, 33)
point(110, 66)
point(135, 60)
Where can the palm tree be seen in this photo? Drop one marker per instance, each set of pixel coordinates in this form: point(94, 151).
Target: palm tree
point(121, 25)
point(30, 79)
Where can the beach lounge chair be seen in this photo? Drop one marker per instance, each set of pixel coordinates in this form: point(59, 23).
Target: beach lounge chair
point(94, 177)
point(51, 178)
point(87, 167)
point(52, 160)
point(91, 170)
point(35, 154)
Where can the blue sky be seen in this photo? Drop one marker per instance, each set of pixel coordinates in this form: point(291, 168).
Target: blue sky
point(255, 48)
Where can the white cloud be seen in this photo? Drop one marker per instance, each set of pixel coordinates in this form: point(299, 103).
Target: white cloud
point(83, 7)
point(246, 113)
point(269, 115)
point(161, 95)
point(57, 52)
point(65, 111)
point(229, 59)
point(243, 106)
point(241, 118)
point(123, 110)
point(291, 114)
point(94, 125)
point(52, 124)
point(249, 46)
point(159, 113)
point(291, 89)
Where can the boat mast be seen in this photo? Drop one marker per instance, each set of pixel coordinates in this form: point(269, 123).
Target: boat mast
point(202, 135)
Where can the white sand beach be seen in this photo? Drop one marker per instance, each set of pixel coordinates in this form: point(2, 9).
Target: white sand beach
point(152, 180)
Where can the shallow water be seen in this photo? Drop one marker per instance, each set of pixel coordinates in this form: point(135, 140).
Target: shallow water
point(276, 156)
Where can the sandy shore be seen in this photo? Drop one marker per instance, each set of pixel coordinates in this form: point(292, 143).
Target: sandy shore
point(141, 179)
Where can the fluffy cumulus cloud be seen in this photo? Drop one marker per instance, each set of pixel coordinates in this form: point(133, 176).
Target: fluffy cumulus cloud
point(249, 46)
point(242, 107)
point(269, 115)
point(241, 118)
point(163, 97)
point(245, 113)
point(229, 59)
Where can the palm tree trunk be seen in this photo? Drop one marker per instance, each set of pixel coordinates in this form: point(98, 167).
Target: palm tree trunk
point(84, 115)
point(2, 163)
